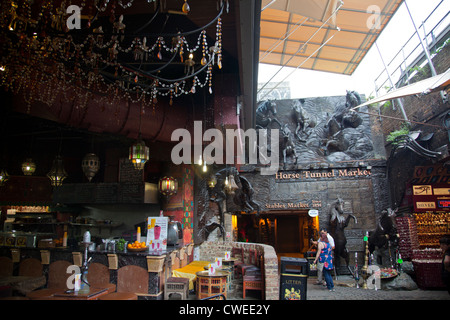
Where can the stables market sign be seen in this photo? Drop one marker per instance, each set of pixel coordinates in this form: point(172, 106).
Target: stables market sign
point(333, 173)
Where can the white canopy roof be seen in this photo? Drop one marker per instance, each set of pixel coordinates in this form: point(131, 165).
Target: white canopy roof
point(433, 84)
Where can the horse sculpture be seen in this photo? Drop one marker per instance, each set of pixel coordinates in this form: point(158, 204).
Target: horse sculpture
point(263, 119)
point(302, 119)
point(337, 225)
point(343, 115)
point(287, 145)
point(386, 232)
point(243, 197)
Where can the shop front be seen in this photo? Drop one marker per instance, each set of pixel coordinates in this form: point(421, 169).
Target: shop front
point(294, 205)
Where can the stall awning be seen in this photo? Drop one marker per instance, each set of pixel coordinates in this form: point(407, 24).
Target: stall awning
point(297, 33)
point(433, 84)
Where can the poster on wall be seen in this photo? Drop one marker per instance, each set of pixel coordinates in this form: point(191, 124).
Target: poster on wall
point(157, 234)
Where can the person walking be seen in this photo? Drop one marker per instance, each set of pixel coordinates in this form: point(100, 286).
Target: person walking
point(320, 265)
point(324, 255)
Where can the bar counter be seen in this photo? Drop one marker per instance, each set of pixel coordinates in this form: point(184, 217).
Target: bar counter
point(158, 265)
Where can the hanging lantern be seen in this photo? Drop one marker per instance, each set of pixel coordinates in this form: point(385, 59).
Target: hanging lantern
point(212, 181)
point(4, 176)
point(139, 154)
point(28, 167)
point(231, 186)
point(90, 165)
point(57, 173)
point(168, 186)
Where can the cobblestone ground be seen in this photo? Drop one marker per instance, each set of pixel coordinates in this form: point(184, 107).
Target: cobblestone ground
point(344, 290)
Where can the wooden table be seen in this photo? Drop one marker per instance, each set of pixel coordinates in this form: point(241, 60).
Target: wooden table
point(210, 285)
point(91, 294)
point(190, 271)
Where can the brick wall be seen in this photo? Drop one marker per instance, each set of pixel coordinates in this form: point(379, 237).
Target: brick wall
point(209, 250)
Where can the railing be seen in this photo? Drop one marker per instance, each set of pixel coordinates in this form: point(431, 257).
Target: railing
point(411, 58)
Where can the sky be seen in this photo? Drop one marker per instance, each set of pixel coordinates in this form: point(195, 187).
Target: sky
point(393, 37)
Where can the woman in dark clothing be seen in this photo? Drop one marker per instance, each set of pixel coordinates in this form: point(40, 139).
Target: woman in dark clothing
point(445, 247)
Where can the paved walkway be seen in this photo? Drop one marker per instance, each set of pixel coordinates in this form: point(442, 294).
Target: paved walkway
point(345, 290)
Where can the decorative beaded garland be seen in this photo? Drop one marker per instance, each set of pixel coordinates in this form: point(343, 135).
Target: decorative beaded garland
point(44, 64)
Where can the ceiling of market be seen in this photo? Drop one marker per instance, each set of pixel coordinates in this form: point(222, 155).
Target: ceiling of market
point(323, 35)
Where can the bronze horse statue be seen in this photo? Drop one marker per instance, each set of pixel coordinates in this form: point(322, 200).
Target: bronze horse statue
point(337, 225)
point(242, 196)
point(386, 231)
point(263, 118)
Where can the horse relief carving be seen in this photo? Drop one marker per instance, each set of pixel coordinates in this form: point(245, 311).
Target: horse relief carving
point(320, 129)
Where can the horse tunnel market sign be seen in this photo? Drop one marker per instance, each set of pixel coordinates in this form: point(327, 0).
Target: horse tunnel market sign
point(333, 173)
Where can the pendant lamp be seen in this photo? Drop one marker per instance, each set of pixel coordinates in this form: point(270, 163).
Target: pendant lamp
point(28, 167)
point(57, 173)
point(168, 186)
point(4, 176)
point(139, 154)
point(90, 165)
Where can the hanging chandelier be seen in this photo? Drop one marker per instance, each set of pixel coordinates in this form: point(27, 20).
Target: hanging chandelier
point(139, 154)
point(168, 186)
point(90, 165)
point(28, 167)
point(57, 173)
point(46, 59)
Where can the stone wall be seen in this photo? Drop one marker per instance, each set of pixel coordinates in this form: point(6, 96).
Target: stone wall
point(209, 250)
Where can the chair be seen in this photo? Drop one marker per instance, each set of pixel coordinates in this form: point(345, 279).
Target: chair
point(98, 276)
point(254, 280)
point(6, 267)
point(57, 281)
point(176, 285)
point(253, 265)
point(242, 267)
point(238, 254)
point(130, 281)
point(30, 267)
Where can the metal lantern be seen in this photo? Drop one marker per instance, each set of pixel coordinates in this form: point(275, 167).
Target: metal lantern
point(57, 173)
point(231, 186)
point(139, 154)
point(168, 186)
point(212, 181)
point(90, 165)
point(28, 167)
point(4, 176)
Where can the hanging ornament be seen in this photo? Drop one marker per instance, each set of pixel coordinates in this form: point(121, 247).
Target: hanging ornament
point(168, 186)
point(139, 154)
point(90, 165)
point(185, 8)
point(57, 173)
point(4, 176)
point(231, 187)
point(28, 167)
point(212, 181)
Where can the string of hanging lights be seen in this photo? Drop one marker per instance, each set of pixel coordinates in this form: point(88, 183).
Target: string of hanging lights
point(42, 59)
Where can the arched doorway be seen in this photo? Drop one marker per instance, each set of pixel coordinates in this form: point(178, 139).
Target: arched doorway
point(289, 232)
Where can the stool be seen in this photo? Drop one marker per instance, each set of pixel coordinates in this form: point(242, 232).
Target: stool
point(176, 285)
point(119, 296)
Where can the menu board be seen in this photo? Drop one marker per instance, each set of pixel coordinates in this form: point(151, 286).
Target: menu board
point(157, 234)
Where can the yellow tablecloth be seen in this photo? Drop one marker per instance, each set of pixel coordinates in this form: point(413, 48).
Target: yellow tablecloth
point(190, 270)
